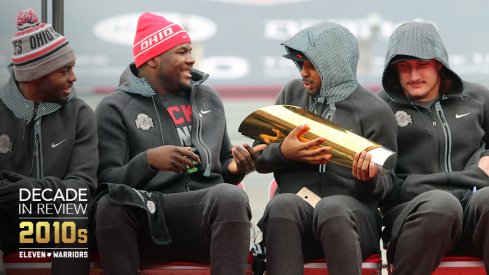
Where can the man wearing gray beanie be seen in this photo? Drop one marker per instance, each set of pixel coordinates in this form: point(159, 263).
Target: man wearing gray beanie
point(48, 145)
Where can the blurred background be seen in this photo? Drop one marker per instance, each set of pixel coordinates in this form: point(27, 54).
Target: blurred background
point(238, 43)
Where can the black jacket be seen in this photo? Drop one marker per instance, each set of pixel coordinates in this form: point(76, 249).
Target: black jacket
point(54, 144)
point(439, 146)
point(342, 100)
point(132, 120)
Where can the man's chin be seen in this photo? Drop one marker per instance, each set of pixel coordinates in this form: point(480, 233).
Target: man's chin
point(186, 87)
point(61, 100)
point(313, 92)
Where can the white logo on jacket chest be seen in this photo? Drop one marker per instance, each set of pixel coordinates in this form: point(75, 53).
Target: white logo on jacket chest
point(403, 118)
point(204, 112)
point(5, 144)
point(54, 145)
point(461, 115)
point(144, 122)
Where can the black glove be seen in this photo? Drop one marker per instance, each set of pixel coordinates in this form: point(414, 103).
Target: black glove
point(11, 176)
point(9, 191)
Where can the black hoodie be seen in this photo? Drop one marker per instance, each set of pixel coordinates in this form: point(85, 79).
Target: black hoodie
point(333, 51)
point(439, 146)
point(132, 120)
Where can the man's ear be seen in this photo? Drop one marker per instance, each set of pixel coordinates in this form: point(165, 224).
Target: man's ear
point(153, 62)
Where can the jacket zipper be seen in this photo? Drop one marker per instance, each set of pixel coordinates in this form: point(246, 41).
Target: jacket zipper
point(197, 131)
point(160, 125)
point(328, 114)
point(435, 132)
point(38, 148)
point(447, 136)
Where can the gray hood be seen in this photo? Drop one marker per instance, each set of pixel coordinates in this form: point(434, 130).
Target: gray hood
point(24, 108)
point(420, 40)
point(333, 50)
point(130, 83)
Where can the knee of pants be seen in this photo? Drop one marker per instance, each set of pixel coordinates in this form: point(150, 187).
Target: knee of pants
point(440, 201)
point(108, 214)
point(337, 207)
point(288, 206)
point(228, 198)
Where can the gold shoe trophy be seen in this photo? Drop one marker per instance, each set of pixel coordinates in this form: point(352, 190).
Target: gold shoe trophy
point(273, 123)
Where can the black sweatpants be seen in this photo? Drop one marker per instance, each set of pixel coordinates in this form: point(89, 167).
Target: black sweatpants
point(209, 226)
point(340, 228)
point(433, 225)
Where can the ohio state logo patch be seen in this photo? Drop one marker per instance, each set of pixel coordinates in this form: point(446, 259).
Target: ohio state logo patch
point(144, 122)
point(5, 144)
point(403, 119)
point(151, 207)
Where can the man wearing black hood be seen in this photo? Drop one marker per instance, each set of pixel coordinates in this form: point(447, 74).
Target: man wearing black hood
point(344, 227)
point(441, 200)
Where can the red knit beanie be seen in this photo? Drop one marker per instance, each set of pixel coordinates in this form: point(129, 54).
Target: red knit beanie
point(154, 36)
point(38, 49)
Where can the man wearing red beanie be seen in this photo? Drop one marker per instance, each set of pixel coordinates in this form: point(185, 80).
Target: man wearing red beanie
point(168, 171)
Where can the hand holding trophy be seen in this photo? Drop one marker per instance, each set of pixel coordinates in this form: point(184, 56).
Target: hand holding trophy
point(273, 123)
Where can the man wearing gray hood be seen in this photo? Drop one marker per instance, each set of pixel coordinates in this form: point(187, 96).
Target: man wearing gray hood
point(441, 200)
point(344, 227)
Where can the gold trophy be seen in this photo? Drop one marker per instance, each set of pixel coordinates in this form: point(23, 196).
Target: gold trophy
point(273, 123)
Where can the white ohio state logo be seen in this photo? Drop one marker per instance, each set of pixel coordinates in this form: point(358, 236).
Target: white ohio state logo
point(156, 38)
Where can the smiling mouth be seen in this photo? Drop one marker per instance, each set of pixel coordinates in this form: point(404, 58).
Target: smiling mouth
point(68, 90)
point(187, 73)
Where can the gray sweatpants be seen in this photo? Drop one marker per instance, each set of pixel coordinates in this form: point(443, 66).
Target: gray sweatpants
point(340, 228)
point(433, 225)
point(208, 225)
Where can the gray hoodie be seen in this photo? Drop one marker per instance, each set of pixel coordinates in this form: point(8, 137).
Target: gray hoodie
point(132, 120)
point(54, 143)
point(333, 51)
point(439, 145)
